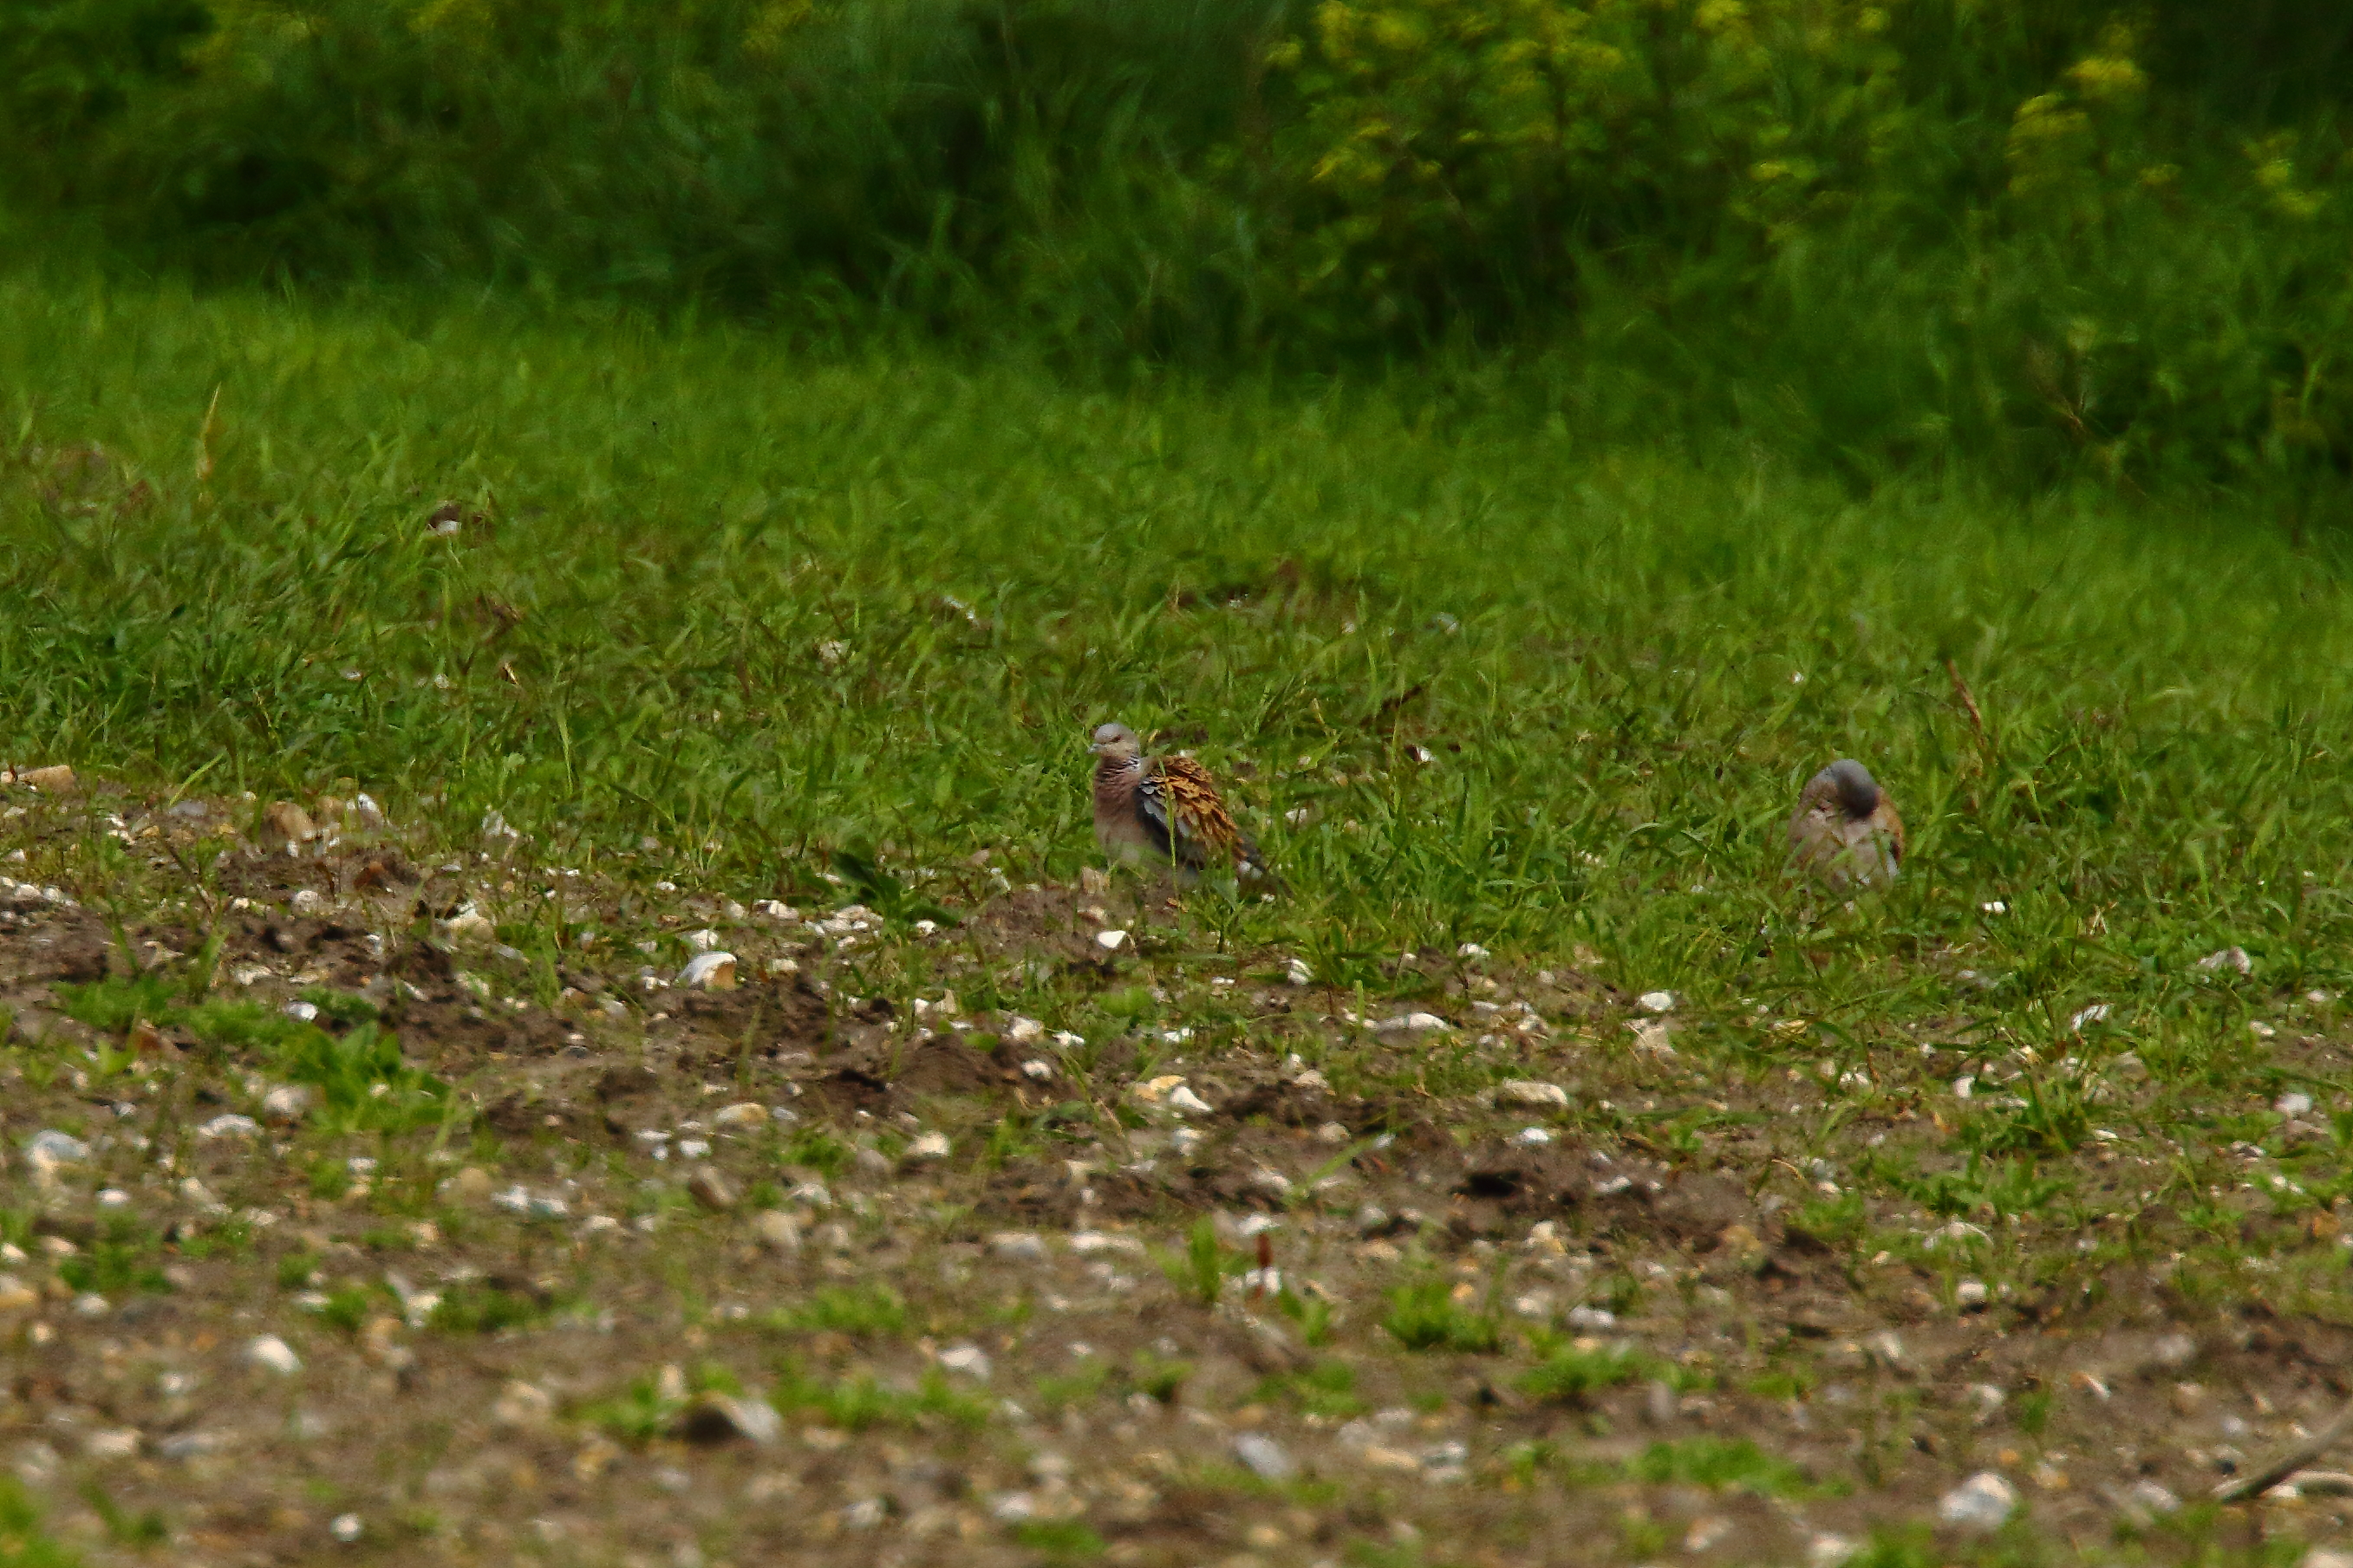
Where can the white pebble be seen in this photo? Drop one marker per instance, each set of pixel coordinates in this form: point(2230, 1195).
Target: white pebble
point(710, 971)
point(930, 1146)
point(1656, 1001)
point(1110, 941)
point(228, 1125)
point(1185, 1102)
point(1264, 1458)
point(273, 1354)
point(346, 1528)
point(968, 1359)
point(1982, 1503)
point(1529, 1091)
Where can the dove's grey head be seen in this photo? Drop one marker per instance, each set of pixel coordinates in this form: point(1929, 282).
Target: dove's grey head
point(1116, 743)
point(1851, 782)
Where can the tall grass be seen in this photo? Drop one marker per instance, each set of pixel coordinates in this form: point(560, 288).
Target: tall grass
point(1519, 687)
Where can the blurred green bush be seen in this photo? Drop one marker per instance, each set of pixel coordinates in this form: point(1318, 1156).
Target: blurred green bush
point(2046, 234)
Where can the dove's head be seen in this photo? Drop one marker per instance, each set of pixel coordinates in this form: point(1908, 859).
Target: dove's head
point(1116, 744)
point(1849, 783)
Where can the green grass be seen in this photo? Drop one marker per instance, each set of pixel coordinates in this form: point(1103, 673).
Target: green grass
point(1569, 1375)
point(1424, 1316)
point(23, 1543)
point(1598, 651)
point(780, 615)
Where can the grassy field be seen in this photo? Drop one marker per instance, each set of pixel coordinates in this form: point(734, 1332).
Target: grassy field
point(1519, 715)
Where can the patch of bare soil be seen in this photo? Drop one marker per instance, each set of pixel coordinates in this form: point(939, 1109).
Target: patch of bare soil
point(832, 1266)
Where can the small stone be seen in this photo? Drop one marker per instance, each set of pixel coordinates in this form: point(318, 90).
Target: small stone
point(1037, 1069)
point(743, 1116)
point(1828, 1550)
point(1185, 1102)
point(1982, 1503)
point(52, 1147)
point(709, 972)
point(273, 1354)
point(968, 1359)
point(286, 826)
point(2321, 1557)
point(1111, 940)
point(520, 1403)
point(2321, 1483)
point(872, 1162)
point(702, 940)
point(1298, 974)
point(1093, 881)
point(777, 1231)
point(2233, 958)
point(1264, 1458)
point(56, 779)
point(929, 1147)
point(117, 1443)
point(229, 1125)
point(1087, 1243)
point(1410, 1023)
point(1020, 1247)
point(1024, 1031)
point(520, 1200)
point(346, 1528)
point(2291, 1104)
point(1656, 1001)
point(16, 1295)
point(722, 1418)
point(1970, 1295)
point(286, 1104)
point(472, 1184)
point(1530, 1092)
point(711, 1189)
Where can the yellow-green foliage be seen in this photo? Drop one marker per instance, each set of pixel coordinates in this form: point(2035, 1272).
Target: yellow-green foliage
point(2044, 232)
point(1434, 130)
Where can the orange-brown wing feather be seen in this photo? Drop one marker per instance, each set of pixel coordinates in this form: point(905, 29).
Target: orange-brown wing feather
point(1200, 828)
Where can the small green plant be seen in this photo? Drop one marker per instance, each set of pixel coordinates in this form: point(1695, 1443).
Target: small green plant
point(1568, 1375)
point(350, 1307)
point(23, 1543)
point(818, 1149)
point(1425, 1316)
point(1326, 1389)
point(860, 1309)
point(1162, 1379)
point(1312, 1313)
point(1202, 1270)
point(855, 1403)
point(473, 1306)
point(638, 1415)
point(122, 1258)
point(1718, 1462)
point(139, 1531)
point(1059, 1539)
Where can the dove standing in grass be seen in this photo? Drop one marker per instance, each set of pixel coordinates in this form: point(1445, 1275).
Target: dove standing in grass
point(1846, 831)
point(1163, 811)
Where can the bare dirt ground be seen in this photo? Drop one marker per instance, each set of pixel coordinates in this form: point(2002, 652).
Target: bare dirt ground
point(1176, 1256)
